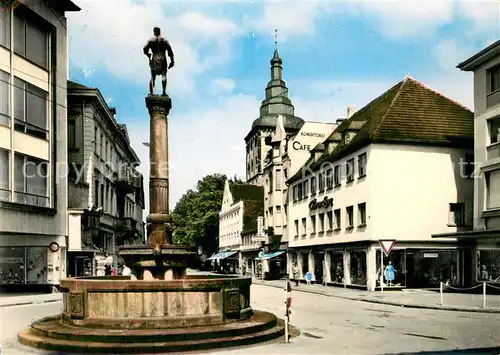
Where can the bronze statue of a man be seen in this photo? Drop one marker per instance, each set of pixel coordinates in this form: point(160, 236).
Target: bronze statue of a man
point(157, 59)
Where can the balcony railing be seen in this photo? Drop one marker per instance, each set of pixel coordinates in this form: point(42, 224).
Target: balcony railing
point(125, 224)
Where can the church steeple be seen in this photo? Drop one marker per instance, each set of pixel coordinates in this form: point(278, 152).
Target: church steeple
point(277, 101)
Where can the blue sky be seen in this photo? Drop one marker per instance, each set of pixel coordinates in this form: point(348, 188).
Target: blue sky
point(335, 54)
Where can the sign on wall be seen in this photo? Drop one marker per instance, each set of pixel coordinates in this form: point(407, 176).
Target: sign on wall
point(327, 202)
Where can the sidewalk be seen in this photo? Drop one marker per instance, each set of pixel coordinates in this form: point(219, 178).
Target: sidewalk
point(8, 300)
point(406, 298)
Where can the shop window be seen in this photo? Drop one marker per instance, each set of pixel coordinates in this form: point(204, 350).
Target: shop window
point(313, 224)
point(362, 165)
point(493, 189)
point(30, 109)
point(31, 181)
point(31, 39)
point(488, 268)
point(305, 263)
point(5, 28)
point(313, 185)
point(21, 265)
point(457, 214)
point(4, 175)
point(350, 217)
point(427, 268)
point(4, 97)
point(362, 215)
point(329, 215)
point(336, 176)
point(350, 170)
point(358, 268)
point(338, 222)
point(321, 222)
point(397, 258)
point(337, 267)
point(329, 179)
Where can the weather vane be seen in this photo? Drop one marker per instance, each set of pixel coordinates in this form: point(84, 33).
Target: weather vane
point(276, 38)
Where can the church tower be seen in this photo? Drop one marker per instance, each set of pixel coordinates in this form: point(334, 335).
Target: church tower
point(276, 103)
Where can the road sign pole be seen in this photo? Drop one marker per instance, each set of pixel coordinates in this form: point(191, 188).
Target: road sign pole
point(381, 270)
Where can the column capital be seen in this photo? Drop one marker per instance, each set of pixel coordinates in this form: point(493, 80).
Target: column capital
point(158, 104)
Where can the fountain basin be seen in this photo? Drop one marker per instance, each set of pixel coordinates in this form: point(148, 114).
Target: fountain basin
point(122, 303)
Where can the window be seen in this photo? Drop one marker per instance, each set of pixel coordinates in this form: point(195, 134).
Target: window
point(313, 224)
point(329, 215)
point(494, 74)
point(30, 109)
point(278, 180)
point(299, 187)
point(494, 127)
point(338, 222)
point(350, 170)
point(329, 178)
point(321, 182)
point(350, 217)
point(295, 190)
point(306, 188)
point(321, 222)
point(285, 173)
point(71, 134)
point(101, 147)
point(336, 175)
point(4, 98)
point(30, 177)
point(304, 226)
point(362, 165)
point(457, 214)
point(4, 175)
point(96, 193)
point(30, 40)
point(96, 138)
point(493, 189)
point(362, 214)
point(469, 167)
point(278, 209)
point(5, 28)
point(313, 185)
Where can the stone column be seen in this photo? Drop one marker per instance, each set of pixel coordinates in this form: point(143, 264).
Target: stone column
point(158, 218)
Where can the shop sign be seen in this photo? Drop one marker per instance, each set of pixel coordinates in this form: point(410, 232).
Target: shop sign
point(54, 247)
point(327, 202)
point(300, 146)
point(430, 255)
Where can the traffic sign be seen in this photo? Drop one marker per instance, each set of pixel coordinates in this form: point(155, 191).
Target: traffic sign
point(387, 245)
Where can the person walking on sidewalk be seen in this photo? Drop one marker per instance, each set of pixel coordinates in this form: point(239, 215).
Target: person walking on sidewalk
point(295, 272)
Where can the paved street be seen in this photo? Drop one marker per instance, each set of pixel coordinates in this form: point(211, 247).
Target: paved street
point(329, 326)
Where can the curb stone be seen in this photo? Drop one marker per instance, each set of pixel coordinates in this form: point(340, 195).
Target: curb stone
point(21, 302)
point(393, 303)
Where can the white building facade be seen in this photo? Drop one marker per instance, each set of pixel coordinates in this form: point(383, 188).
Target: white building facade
point(33, 187)
point(483, 241)
point(378, 177)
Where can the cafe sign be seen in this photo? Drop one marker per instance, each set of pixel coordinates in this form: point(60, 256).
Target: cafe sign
point(327, 202)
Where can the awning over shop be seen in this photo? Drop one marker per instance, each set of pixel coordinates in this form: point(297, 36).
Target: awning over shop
point(270, 255)
point(222, 255)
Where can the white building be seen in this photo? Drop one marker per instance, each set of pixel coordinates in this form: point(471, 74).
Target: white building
point(242, 205)
point(106, 192)
point(483, 257)
point(390, 171)
point(33, 190)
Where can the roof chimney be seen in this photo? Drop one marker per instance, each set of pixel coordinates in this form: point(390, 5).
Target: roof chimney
point(351, 110)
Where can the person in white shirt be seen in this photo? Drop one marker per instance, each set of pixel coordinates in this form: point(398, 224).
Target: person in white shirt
point(126, 271)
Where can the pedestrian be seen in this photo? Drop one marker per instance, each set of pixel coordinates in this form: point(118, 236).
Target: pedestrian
point(113, 272)
point(309, 277)
point(126, 270)
point(295, 272)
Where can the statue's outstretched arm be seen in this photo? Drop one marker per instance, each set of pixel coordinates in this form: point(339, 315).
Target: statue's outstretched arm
point(146, 49)
point(170, 53)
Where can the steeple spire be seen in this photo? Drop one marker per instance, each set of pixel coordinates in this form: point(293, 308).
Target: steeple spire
point(276, 101)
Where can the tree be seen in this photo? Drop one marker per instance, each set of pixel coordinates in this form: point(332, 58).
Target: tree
point(196, 215)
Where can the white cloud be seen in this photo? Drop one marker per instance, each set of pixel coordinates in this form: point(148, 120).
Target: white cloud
point(110, 35)
point(485, 14)
point(224, 85)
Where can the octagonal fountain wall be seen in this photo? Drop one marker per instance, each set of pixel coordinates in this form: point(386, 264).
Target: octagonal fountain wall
point(119, 302)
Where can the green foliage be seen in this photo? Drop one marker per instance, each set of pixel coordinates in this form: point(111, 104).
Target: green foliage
point(196, 215)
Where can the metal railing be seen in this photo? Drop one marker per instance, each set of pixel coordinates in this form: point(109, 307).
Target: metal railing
point(484, 286)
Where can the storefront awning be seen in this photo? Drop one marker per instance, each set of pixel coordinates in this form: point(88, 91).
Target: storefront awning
point(270, 255)
point(222, 255)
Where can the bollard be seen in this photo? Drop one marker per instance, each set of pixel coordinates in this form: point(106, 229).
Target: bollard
point(441, 292)
point(484, 294)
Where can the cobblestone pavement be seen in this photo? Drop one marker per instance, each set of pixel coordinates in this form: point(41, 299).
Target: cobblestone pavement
point(329, 325)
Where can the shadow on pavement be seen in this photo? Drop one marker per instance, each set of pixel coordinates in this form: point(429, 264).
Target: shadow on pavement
point(482, 351)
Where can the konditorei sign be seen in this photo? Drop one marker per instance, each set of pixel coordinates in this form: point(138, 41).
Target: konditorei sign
point(327, 202)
